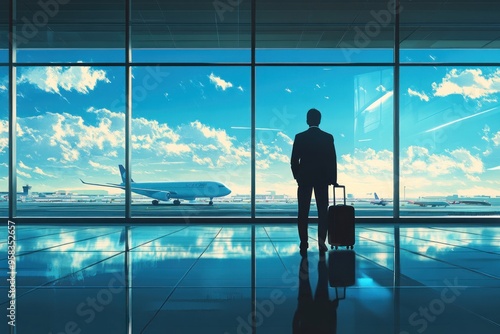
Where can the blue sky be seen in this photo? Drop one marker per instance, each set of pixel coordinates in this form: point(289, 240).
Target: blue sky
point(192, 123)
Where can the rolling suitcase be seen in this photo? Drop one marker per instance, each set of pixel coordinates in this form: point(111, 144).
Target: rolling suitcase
point(340, 223)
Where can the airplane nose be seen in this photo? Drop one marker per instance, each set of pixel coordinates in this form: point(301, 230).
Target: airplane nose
point(227, 191)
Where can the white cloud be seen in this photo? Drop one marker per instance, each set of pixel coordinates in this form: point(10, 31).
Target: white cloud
point(418, 160)
point(22, 165)
point(467, 162)
point(98, 166)
point(422, 96)
point(52, 79)
point(368, 162)
point(4, 135)
point(496, 139)
point(39, 171)
point(203, 161)
point(470, 83)
point(219, 82)
point(23, 174)
point(222, 139)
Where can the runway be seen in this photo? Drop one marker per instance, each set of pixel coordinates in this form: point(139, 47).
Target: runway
point(223, 209)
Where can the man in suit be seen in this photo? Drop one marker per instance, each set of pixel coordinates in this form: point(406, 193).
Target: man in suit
point(314, 167)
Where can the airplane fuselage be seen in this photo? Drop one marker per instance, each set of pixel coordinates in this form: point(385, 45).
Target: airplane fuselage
point(430, 203)
point(165, 191)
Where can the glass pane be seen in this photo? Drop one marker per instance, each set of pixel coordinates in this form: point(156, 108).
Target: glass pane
point(450, 141)
point(452, 31)
point(70, 31)
point(191, 31)
point(325, 31)
point(191, 125)
point(356, 105)
point(4, 34)
point(4, 141)
point(70, 128)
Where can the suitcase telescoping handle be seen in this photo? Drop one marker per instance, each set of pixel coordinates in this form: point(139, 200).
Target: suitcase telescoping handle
point(338, 186)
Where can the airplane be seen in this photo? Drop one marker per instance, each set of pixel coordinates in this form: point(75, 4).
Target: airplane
point(164, 191)
point(379, 201)
point(429, 203)
point(472, 202)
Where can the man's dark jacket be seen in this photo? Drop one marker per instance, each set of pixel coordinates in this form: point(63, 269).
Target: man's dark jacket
point(314, 160)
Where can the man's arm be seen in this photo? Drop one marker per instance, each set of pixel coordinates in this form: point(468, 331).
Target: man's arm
point(295, 159)
point(333, 163)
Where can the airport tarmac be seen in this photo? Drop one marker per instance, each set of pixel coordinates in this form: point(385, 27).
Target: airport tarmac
point(202, 209)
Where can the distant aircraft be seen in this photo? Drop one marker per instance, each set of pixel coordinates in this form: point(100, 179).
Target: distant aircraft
point(379, 201)
point(472, 202)
point(164, 191)
point(429, 203)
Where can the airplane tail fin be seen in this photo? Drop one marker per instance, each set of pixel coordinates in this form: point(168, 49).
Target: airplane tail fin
point(376, 196)
point(123, 174)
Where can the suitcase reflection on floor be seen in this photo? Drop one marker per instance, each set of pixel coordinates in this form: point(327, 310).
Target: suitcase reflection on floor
point(341, 270)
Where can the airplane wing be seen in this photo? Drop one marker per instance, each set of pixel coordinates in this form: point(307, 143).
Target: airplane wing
point(146, 191)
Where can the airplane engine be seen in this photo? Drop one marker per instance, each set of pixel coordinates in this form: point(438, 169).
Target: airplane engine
point(161, 195)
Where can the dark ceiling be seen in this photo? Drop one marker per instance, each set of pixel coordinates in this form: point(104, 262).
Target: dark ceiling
point(279, 24)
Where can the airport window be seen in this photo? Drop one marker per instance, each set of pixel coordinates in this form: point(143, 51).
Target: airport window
point(70, 127)
point(356, 107)
point(191, 136)
point(450, 140)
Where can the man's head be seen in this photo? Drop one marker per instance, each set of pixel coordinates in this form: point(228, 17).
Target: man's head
point(313, 117)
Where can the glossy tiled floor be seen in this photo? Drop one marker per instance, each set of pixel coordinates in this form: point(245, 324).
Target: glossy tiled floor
point(208, 279)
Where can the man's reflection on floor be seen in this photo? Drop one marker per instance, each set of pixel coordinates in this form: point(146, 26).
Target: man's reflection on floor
point(319, 314)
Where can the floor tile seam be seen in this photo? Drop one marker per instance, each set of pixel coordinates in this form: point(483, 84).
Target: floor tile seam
point(64, 244)
point(41, 236)
point(451, 230)
point(472, 312)
point(275, 249)
point(435, 259)
point(179, 282)
point(451, 264)
point(440, 242)
point(163, 236)
point(455, 245)
point(66, 276)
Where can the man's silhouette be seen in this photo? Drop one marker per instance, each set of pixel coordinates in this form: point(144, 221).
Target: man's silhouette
point(314, 166)
point(315, 314)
